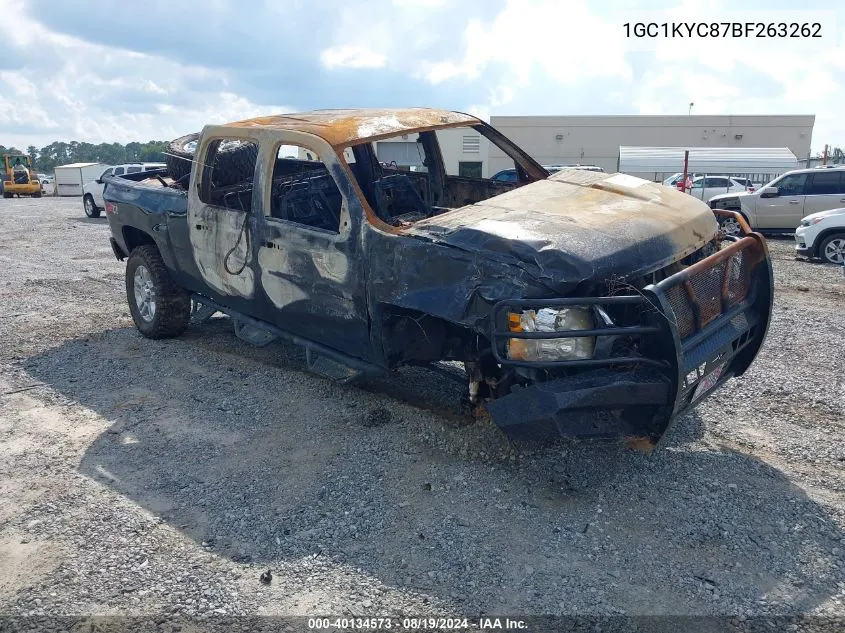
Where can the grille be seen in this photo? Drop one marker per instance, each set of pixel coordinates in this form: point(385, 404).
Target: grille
point(684, 319)
point(702, 292)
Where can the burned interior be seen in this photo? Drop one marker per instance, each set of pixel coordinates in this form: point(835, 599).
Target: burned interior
point(304, 191)
point(403, 194)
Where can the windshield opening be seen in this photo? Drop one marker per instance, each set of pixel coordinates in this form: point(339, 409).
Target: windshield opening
point(411, 177)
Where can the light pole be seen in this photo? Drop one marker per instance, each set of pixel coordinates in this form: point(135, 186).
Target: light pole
point(689, 111)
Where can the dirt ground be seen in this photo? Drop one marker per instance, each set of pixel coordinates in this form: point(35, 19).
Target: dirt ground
point(163, 477)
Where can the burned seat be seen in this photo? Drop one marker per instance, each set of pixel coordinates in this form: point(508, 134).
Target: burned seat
point(398, 200)
point(310, 198)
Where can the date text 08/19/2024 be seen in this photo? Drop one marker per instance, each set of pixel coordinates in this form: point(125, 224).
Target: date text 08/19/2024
point(419, 623)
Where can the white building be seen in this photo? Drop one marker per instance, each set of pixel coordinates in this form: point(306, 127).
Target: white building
point(465, 152)
point(595, 140)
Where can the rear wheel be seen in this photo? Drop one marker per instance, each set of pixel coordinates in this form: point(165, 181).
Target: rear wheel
point(91, 209)
point(159, 307)
point(7, 194)
point(37, 194)
point(832, 249)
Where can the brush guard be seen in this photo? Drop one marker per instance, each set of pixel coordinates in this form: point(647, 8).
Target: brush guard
point(702, 326)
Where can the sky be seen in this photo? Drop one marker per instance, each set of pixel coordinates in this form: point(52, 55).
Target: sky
point(97, 71)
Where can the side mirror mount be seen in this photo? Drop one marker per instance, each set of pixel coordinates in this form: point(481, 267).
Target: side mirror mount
point(99, 181)
point(769, 192)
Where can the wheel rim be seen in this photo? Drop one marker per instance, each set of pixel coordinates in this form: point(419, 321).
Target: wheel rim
point(89, 206)
point(731, 226)
point(145, 294)
point(834, 250)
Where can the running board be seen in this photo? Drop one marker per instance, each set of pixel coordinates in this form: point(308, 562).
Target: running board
point(251, 334)
point(320, 359)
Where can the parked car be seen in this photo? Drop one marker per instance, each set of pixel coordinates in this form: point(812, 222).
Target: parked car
point(674, 179)
point(779, 206)
point(705, 187)
point(822, 235)
point(92, 192)
point(505, 175)
point(745, 182)
point(371, 269)
point(48, 184)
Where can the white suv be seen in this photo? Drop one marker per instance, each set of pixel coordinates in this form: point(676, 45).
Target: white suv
point(92, 192)
point(779, 206)
point(705, 187)
point(822, 235)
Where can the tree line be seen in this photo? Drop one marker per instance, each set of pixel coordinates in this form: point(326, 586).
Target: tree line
point(47, 158)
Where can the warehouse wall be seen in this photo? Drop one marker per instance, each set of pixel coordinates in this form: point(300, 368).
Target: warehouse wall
point(596, 139)
point(454, 146)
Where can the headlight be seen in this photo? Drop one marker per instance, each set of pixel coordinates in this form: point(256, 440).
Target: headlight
point(551, 320)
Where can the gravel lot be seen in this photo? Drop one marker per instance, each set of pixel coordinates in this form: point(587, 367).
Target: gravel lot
point(163, 477)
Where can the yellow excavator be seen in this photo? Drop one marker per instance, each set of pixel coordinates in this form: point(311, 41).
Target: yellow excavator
point(19, 177)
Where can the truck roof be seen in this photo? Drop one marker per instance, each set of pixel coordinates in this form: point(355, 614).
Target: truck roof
point(340, 128)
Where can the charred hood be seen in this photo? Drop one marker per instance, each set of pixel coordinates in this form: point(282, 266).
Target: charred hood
point(579, 225)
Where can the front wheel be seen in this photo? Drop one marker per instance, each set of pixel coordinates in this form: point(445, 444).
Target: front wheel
point(730, 226)
point(159, 308)
point(91, 209)
point(832, 250)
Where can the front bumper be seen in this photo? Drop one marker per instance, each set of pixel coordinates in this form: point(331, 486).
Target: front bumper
point(701, 326)
point(801, 247)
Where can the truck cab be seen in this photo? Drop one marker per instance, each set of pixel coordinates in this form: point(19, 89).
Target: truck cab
point(581, 304)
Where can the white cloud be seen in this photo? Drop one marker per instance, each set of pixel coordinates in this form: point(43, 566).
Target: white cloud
point(564, 41)
point(351, 57)
point(428, 4)
point(71, 89)
point(518, 57)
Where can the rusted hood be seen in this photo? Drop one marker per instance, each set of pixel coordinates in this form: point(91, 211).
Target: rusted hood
point(579, 225)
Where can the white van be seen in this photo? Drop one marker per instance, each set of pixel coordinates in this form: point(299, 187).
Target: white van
point(92, 192)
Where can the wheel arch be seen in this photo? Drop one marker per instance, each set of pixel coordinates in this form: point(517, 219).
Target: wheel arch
point(409, 336)
point(823, 235)
point(134, 237)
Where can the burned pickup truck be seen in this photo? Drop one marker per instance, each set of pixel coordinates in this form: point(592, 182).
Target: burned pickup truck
point(581, 304)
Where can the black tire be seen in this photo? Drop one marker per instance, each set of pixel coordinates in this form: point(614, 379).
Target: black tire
point(37, 194)
point(831, 257)
point(171, 304)
point(179, 155)
point(91, 209)
point(7, 195)
point(235, 161)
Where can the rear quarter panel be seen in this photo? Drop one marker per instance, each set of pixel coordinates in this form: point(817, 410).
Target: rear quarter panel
point(159, 213)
